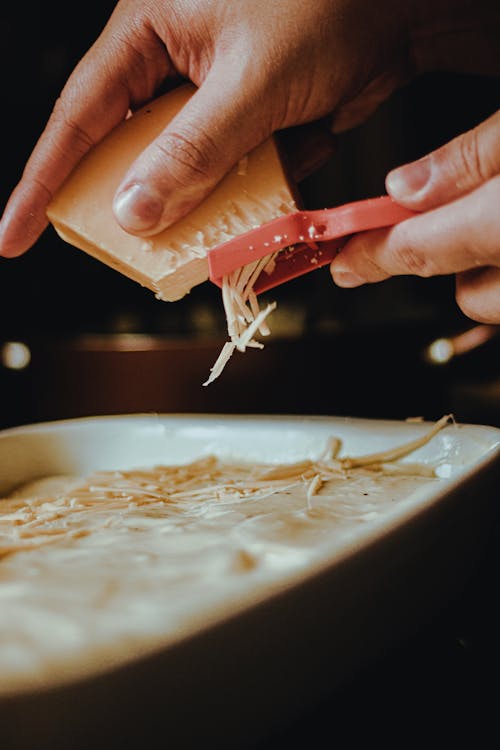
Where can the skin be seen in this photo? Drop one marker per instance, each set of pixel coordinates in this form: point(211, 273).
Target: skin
point(457, 188)
point(260, 67)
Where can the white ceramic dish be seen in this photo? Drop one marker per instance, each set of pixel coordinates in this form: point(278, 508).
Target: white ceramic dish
point(254, 656)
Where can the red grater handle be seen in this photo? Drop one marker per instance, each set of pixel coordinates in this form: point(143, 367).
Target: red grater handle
point(311, 238)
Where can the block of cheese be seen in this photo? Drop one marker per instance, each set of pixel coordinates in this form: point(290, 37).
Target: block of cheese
point(173, 261)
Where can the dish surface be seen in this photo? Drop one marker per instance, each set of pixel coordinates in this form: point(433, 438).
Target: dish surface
point(148, 581)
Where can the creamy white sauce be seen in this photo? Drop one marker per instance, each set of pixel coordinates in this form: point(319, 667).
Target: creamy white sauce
point(145, 576)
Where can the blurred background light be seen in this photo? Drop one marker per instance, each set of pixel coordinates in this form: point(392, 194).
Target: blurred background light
point(15, 355)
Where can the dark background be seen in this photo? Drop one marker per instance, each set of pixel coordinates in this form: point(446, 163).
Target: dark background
point(346, 352)
point(99, 343)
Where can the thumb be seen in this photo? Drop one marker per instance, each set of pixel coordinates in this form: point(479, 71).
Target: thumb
point(214, 129)
point(453, 170)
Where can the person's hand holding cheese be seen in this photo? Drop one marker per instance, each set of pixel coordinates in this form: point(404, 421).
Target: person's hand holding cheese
point(259, 66)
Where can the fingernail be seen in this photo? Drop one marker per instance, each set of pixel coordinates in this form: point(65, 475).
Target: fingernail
point(138, 208)
point(405, 181)
point(347, 279)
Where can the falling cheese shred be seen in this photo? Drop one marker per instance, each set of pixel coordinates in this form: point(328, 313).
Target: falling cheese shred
point(244, 317)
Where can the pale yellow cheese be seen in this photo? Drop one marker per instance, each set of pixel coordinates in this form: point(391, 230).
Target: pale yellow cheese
point(173, 261)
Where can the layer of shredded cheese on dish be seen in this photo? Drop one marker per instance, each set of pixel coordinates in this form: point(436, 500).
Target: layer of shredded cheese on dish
point(95, 569)
point(45, 519)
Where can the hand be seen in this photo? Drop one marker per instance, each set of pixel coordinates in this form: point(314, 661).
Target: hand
point(260, 66)
point(458, 189)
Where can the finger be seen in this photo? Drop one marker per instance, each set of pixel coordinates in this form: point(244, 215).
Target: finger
point(461, 235)
point(217, 127)
point(88, 108)
point(94, 100)
point(453, 170)
point(478, 294)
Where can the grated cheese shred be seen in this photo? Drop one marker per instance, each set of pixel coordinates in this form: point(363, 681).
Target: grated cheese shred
point(244, 317)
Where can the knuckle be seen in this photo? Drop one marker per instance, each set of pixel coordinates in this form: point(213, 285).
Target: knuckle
point(365, 257)
point(42, 187)
point(141, 61)
point(64, 120)
point(412, 261)
point(471, 159)
point(187, 157)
